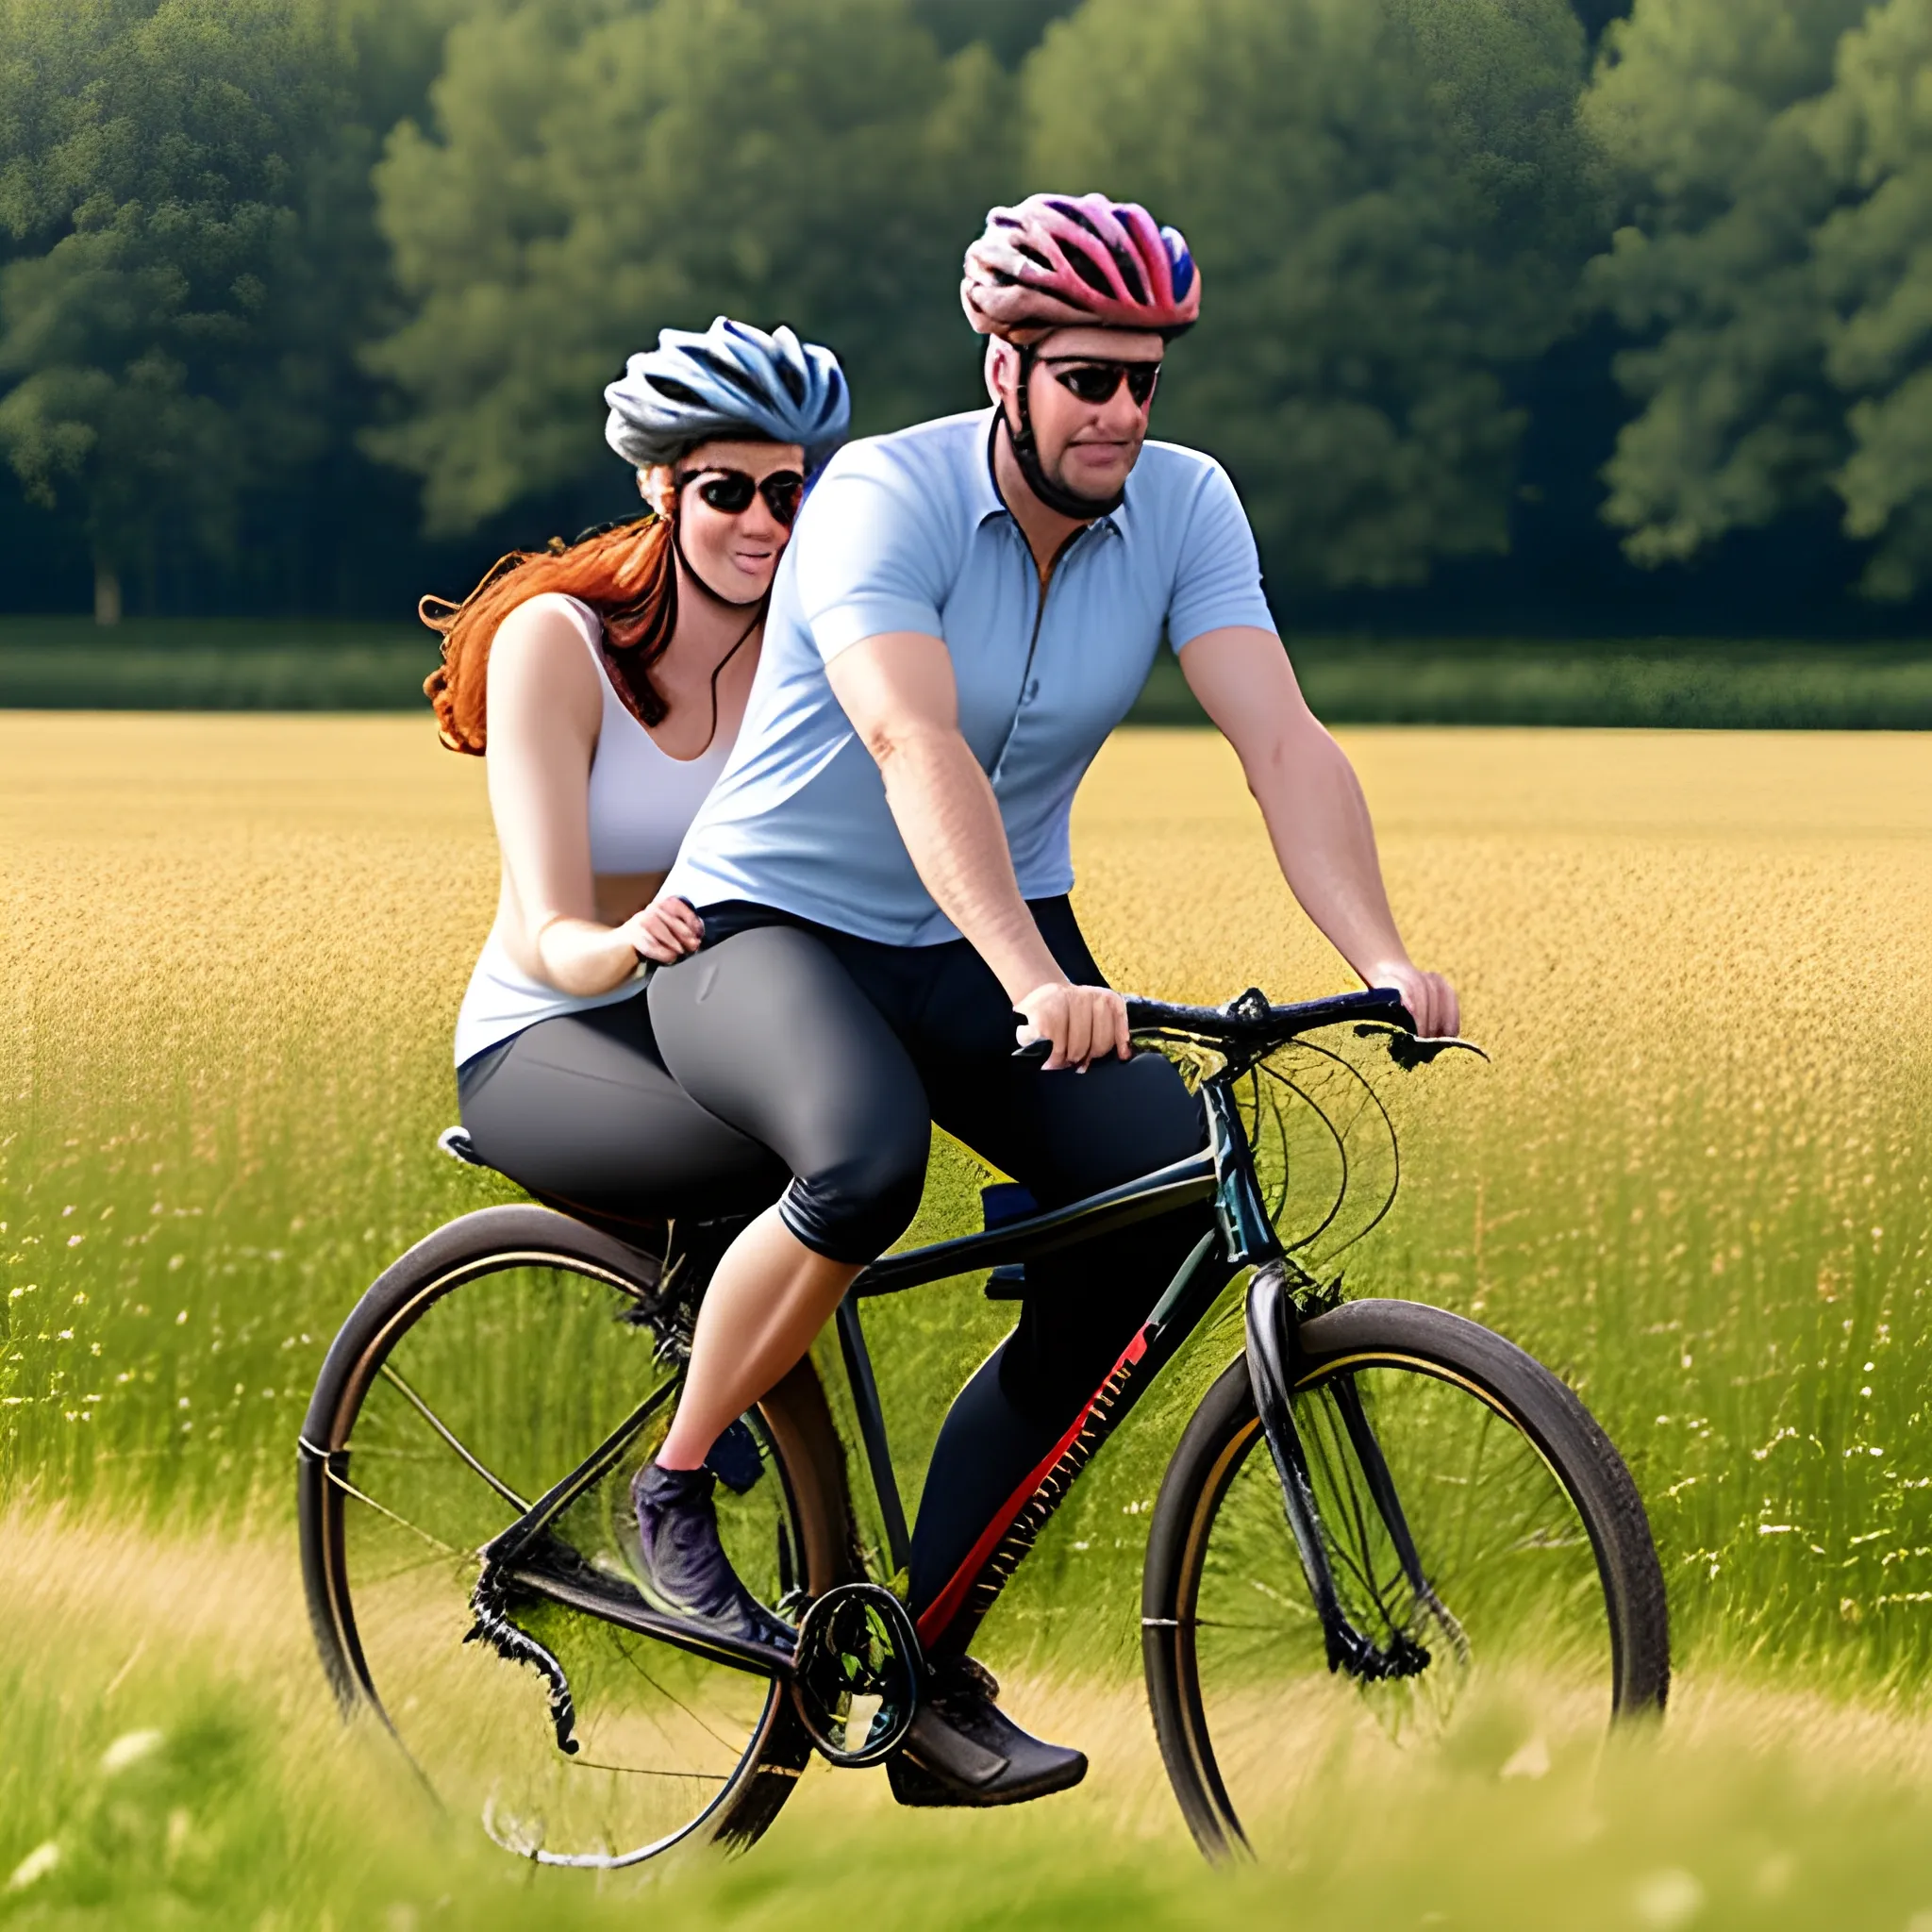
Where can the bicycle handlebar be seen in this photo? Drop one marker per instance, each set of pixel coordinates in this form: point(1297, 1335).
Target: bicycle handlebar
point(1250, 1020)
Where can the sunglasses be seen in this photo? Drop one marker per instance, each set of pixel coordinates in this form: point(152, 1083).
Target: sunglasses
point(731, 491)
point(1099, 382)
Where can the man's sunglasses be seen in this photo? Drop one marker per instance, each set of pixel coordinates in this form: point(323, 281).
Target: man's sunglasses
point(731, 491)
point(1099, 382)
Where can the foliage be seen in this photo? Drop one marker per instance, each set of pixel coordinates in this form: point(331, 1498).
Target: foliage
point(161, 168)
point(1777, 164)
point(597, 171)
point(1388, 202)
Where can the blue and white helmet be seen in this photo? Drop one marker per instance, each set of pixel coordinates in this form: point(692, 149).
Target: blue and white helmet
point(729, 381)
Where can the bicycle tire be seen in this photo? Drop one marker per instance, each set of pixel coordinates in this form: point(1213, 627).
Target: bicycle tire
point(794, 1422)
point(1224, 1438)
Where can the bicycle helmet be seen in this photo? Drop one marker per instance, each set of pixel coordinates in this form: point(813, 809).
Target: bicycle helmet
point(1071, 261)
point(732, 380)
point(1074, 261)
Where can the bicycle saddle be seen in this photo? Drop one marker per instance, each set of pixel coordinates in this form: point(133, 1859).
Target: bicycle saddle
point(455, 1142)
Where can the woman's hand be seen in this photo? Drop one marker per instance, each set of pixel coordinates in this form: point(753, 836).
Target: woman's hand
point(665, 930)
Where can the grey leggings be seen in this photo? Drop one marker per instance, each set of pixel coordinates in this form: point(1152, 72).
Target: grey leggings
point(580, 1110)
point(838, 1053)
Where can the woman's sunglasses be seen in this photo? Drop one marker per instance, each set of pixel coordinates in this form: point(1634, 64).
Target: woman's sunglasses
point(731, 491)
point(1099, 382)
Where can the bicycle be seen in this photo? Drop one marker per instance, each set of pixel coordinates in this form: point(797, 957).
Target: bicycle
point(1373, 1491)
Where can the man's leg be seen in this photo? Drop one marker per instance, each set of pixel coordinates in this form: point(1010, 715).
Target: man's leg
point(1064, 1135)
point(767, 1032)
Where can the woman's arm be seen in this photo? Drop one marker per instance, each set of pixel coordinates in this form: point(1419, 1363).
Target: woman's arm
point(1317, 818)
point(544, 710)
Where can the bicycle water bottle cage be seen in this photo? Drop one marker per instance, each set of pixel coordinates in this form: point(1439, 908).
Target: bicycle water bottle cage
point(856, 1674)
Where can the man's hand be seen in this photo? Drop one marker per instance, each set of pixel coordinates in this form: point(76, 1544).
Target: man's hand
point(665, 930)
point(1081, 1024)
point(1430, 999)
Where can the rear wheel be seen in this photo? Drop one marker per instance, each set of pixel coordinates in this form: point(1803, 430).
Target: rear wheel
point(481, 1368)
point(1544, 1599)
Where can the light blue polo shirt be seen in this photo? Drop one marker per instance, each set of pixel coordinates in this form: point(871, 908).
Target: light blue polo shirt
point(908, 533)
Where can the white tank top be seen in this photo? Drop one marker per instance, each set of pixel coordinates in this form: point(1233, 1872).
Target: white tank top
point(641, 802)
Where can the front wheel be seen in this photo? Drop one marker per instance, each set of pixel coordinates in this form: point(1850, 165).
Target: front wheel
point(1542, 1593)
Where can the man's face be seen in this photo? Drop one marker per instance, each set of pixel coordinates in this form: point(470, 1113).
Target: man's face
point(1087, 446)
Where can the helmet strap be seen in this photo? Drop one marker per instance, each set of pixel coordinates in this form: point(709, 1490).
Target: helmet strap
point(1026, 454)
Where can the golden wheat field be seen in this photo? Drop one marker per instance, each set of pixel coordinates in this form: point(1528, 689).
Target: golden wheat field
point(1694, 1177)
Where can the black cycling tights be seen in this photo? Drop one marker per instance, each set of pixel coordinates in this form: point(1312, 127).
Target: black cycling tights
point(580, 1110)
point(838, 1053)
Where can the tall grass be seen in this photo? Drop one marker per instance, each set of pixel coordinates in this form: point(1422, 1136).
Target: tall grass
point(169, 1762)
point(1694, 1179)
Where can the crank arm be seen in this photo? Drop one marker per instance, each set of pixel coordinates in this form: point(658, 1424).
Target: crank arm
point(591, 1593)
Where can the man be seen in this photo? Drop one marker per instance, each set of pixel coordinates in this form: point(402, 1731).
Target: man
point(879, 884)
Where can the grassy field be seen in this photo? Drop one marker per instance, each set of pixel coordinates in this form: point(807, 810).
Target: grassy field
point(1694, 1179)
point(248, 665)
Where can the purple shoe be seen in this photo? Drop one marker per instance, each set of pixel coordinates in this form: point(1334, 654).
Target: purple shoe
point(685, 1571)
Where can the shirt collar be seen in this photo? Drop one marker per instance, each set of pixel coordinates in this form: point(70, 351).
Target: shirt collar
point(986, 502)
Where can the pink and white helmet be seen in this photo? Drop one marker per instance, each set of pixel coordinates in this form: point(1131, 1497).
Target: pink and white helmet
point(1071, 261)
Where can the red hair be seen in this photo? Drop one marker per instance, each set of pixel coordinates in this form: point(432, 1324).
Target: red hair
point(628, 574)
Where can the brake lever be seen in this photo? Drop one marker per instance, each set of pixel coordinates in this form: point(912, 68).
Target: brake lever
point(1408, 1050)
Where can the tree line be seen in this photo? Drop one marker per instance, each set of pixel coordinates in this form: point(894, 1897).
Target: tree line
point(306, 305)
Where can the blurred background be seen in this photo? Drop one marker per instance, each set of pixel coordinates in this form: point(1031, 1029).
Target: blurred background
point(1544, 336)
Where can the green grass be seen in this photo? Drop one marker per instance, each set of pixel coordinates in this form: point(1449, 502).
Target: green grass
point(1650, 682)
point(1693, 1180)
point(217, 664)
point(171, 1763)
point(243, 664)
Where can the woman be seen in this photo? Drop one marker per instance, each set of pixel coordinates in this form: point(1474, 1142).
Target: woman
point(605, 683)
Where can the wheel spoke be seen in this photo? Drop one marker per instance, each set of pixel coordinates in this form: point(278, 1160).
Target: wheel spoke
point(1497, 1531)
point(448, 1434)
point(349, 1489)
point(488, 1387)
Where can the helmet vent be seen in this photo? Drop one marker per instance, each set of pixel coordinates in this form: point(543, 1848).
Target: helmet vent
point(1089, 271)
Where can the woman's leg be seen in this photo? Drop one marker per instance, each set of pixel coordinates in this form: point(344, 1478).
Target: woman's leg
point(580, 1110)
point(770, 1033)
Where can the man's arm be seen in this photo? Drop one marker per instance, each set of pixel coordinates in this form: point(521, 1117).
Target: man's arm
point(1315, 813)
point(899, 693)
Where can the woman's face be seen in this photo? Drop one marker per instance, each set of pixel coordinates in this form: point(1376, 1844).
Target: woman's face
point(733, 552)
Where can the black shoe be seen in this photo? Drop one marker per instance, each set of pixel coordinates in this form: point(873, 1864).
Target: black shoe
point(685, 1572)
point(962, 1749)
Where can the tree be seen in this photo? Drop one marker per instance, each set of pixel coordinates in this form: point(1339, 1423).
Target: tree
point(157, 160)
point(1702, 109)
point(1388, 200)
point(597, 171)
point(1776, 173)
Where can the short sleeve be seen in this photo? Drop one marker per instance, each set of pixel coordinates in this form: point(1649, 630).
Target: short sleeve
point(1218, 576)
point(870, 556)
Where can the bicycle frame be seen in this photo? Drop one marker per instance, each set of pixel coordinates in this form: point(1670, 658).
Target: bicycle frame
point(1242, 1237)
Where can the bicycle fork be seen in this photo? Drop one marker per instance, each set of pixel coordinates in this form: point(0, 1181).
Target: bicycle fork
point(1270, 1323)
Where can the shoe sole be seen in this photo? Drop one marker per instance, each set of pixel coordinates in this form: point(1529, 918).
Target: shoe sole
point(931, 1791)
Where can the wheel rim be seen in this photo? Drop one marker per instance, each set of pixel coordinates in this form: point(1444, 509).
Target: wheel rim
point(1521, 1651)
point(488, 1388)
